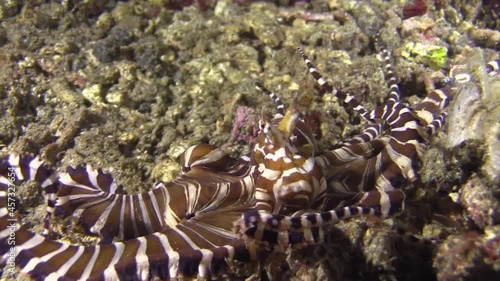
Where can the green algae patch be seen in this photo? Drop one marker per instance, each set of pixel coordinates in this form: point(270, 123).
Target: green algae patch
point(430, 55)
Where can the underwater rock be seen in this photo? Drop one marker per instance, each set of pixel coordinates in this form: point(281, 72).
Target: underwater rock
point(9, 8)
point(468, 256)
point(479, 201)
point(473, 115)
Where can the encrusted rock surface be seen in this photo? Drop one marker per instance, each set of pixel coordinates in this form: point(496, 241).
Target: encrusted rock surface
point(129, 85)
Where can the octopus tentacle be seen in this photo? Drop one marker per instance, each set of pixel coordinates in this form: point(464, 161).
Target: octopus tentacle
point(328, 88)
point(368, 172)
point(22, 167)
point(280, 107)
point(221, 211)
point(204, 239)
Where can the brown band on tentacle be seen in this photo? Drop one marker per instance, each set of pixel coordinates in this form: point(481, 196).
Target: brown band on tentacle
point(16, 168)
point(279, 231)
point(281, 197)
point(390, 76)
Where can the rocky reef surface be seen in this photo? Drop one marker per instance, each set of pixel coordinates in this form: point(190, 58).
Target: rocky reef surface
point(130, 85)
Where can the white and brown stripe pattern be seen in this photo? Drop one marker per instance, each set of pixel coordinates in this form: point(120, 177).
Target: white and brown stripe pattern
point(280, 107)
point(165, 255)
point(189, 236)
point(282, 195)
point(97, 202)
point(328, 88)
point(390, 76)
point(24, 167)
point(493, 67)
point(383, 158)
point(278, 231)
point(289, 177)
point(366, 173)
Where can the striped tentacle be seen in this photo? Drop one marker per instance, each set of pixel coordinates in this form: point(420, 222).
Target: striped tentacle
point(195, 240)
point(302, 137)
point(163, 255)
point(276, 231)
point(493, 67)
point(100, 205)
point(289, 177)
point(374, 130)
point(434, 103)
point(328, 88)
point(390, 77)
point(24, 167)
point(368, 134)
point(369, 174)
point(280, 107)
point(212, 158)
point(210, 180)
point(404, 125)
point(381, 160)
point(431, 109)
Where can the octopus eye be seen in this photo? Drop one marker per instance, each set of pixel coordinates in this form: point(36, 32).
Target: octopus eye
point(190, 215)
point(262, 124)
